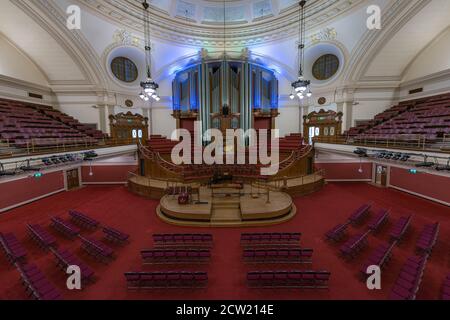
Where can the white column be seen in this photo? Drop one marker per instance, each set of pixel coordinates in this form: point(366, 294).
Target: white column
point(340, 108)
point(348, 115)
point(148, 114)
point(301, 114)
point(347, 109)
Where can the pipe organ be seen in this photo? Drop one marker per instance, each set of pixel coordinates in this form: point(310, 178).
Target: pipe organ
point(225, 94)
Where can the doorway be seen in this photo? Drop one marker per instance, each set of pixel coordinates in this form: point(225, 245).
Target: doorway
point(313, 132)
point(381, 174)
point(73, 179)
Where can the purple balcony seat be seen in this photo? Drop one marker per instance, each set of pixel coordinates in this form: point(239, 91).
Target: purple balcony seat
point(337, 233)
point(360, 214)
point(41, 236)
point(115, 235)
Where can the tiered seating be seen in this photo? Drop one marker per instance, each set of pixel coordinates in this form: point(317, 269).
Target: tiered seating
point(70, 121)
point(158, 147)
point(23, 125)
point(259, 239)
point(65, 258)
point(379, 220)
point(354, 245)
point(379, 257)
point(446, 289)
point(83, 220)
point(115, 235)
point(427, 239)
point(409, 279)
point(65, 227)
point(183, 240)
point(41, 236)
point(400, 228)
point(337, 233)
point(288, 279)
point(166, 280)
point(379, 118)
point(169, 256)
point(96, 249)
point(426, 118)
point(360, 214)
point(12, 248)
point(37, 285)
point(161, 144)
point(290, 143)
point(282, 255)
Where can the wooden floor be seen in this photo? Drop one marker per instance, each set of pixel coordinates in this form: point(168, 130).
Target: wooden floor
point(229, 207)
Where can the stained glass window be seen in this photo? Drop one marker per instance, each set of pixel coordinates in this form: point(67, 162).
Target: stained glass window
point(325, 67)
point(124, 69)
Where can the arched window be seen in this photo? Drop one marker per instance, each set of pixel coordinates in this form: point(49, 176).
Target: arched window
point(325, 67)
point(124, 69)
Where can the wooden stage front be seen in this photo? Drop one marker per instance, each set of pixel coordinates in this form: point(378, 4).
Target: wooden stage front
point(222, 207)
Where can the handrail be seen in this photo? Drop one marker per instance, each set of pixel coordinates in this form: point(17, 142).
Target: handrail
point(318, 175)
point(31, 148)
point(180, 171)
point(297, 155)
point(440, 145)
point(173, 180)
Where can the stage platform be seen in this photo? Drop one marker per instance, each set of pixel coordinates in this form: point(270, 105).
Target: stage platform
point(229, 207)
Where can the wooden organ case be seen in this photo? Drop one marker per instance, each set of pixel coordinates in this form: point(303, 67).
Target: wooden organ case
point(129, 126)
point(226, 94)
point(323, 124)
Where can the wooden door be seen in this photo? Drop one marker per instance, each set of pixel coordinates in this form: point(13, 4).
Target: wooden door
point(381, 175)
point(384, 177)
point(73, 180)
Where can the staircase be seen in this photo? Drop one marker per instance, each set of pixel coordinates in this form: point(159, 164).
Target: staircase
point(226, 210)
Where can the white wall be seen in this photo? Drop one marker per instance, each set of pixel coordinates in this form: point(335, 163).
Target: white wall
point(433, 59)
point(162, 121)
point(367, 110)
point(288, 121)
point(83, 113)
point(16, 65)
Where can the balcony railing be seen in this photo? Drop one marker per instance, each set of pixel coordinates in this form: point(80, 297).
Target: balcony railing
point(45, 146)
point(418, 143)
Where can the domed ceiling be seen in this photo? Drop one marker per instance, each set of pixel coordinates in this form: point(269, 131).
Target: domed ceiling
point(200, 22)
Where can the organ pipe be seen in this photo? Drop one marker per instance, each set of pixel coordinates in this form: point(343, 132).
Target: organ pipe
point(243, 86)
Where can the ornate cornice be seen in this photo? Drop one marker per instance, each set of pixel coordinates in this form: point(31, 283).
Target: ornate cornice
point(53, 20)
point(395, 17)
point(128, 14)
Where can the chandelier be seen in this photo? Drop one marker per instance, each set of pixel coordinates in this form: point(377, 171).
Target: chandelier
point(149, 87)
point(301, 87)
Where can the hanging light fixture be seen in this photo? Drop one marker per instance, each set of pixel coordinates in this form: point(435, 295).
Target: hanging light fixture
point(149, 87)
point(225, 107)
point(302, 87)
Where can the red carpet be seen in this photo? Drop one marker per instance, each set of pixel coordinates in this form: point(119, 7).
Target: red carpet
point(116, 207)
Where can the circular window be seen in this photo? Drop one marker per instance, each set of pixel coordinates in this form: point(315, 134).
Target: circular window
point(124, 69)
point(325, 67)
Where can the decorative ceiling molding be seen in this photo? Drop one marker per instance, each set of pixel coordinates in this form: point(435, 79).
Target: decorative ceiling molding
point(128, 14)
point(327, 34)
point(395, 17)
point(26, 56)
point(429, 45)
point(53, 20)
